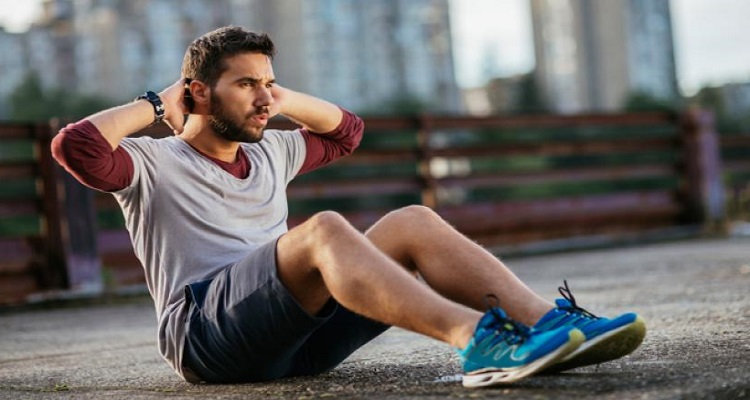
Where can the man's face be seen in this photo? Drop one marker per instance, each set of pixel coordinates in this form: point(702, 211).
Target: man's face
point(241, 98)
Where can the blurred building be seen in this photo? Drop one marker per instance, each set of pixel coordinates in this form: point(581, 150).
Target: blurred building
point(12, 69)
point(360, 54)
point(48, 49)
point(365, 55)
point(592, 54)
point(736, 98)
point(127, 46)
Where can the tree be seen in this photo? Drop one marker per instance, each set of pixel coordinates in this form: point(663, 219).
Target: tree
point(30, 102)
point(530, 98)
point(515, 94)
point(27, 101)
point(639, 101)
point(713, 98)
point(405, 105)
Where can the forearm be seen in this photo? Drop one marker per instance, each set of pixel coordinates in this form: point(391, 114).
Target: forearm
point(117, 123)
point(316, 115)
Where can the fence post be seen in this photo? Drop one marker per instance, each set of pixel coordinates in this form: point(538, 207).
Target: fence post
point(702, 185)
point(429, 188)
point(70, 220)
point(52, 270)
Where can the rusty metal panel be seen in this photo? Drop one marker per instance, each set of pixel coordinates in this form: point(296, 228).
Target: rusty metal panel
point(17, 131)
point(357, 188)
point(540, 213)
point(551, 120)
point(10, 208)
point(588, 147)
point(735, 141)
point(367, 156)
point(552, 176)
point(16, 170)
point(18, 255)
point(15, 288)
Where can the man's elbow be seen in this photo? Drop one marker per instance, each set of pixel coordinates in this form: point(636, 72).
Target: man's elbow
point(358, 131)
point(58, 147)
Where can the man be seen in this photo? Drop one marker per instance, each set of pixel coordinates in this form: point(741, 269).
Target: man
point(241, 299)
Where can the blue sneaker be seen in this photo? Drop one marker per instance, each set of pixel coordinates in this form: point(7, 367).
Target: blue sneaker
point(504, 351)
point(606, 339)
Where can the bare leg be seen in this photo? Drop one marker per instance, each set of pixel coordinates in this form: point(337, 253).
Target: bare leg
point(326, 257)
point(453, 265)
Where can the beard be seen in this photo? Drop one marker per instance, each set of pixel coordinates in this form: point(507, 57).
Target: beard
point(230, 127)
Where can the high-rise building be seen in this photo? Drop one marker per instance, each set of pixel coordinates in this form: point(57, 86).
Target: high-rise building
point(365, 55)
point(12, 66)
point(124, 47)
point(591, 55)
point(736, 98)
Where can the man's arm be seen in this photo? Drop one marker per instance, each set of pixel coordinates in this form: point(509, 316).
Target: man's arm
point(314, 114)
point(117, 123)
point(330, 132)
point(89, 149)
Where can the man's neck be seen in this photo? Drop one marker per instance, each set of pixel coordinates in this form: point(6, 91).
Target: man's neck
point(198, 134)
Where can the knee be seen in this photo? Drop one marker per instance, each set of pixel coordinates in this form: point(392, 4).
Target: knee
point(326, 223)
point(413, 215)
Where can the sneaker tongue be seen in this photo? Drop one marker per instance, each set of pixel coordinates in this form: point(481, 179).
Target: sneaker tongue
point(489, 318)
point(553, 313)
point(563, 303)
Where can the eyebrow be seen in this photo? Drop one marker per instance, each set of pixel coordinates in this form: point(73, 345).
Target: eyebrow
point(252, 80)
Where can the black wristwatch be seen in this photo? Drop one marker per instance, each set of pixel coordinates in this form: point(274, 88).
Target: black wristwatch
point(155, 101)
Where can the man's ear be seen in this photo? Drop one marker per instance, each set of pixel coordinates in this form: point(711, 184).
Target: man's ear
point(200, 93)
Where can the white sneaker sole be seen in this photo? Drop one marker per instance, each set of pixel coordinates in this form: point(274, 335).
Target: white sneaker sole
point(498, 376)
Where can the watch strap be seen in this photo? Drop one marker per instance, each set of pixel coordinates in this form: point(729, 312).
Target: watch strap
point(156, 102)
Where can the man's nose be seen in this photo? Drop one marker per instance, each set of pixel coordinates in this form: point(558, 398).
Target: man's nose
point(264, 97)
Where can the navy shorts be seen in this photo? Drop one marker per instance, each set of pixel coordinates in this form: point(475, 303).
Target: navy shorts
point(244, 326)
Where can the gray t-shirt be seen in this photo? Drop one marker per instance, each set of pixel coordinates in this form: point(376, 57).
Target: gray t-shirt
point(188, 219)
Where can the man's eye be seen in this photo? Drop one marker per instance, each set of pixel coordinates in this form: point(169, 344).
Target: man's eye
point(269, 85)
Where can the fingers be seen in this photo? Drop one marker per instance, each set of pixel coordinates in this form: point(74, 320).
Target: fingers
point(175, 108)
point(277, 93)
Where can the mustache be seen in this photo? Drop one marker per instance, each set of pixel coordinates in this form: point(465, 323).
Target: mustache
point(262, 110)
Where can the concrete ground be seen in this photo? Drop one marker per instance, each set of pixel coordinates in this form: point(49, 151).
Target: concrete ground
point(694, 295)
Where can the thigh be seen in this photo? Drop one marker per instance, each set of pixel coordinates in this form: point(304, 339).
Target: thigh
point(244, 325)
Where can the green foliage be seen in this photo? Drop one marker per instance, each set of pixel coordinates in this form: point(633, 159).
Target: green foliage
point(518, 94)
point(31, 102)
point(401, 106)
point(530, 98)
point(712, 98)
point(640, 101)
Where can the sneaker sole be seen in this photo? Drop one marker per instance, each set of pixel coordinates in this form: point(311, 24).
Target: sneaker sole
point(498, 376)
point(610, 346)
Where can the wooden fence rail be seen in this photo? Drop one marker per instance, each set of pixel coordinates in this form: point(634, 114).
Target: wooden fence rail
point(505, 182)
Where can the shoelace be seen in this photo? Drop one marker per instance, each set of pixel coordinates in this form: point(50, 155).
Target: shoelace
point(574, 308)
point(512, 332)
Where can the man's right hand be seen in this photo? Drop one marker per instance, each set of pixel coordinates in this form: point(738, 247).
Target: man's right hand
point(175, 108)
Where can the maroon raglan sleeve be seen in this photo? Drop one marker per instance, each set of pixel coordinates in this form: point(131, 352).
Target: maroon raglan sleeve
point(82, 150)
point(327, 147)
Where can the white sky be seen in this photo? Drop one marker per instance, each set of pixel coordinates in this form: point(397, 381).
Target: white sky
point(493, 37)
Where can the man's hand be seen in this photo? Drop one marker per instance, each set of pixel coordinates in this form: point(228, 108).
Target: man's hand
point(279, 95)
point(175, 108)
point(315, 114)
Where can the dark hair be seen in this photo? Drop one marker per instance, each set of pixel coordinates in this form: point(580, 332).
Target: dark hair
point(204, 58)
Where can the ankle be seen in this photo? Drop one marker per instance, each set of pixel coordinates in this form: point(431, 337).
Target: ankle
point(463, 334)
